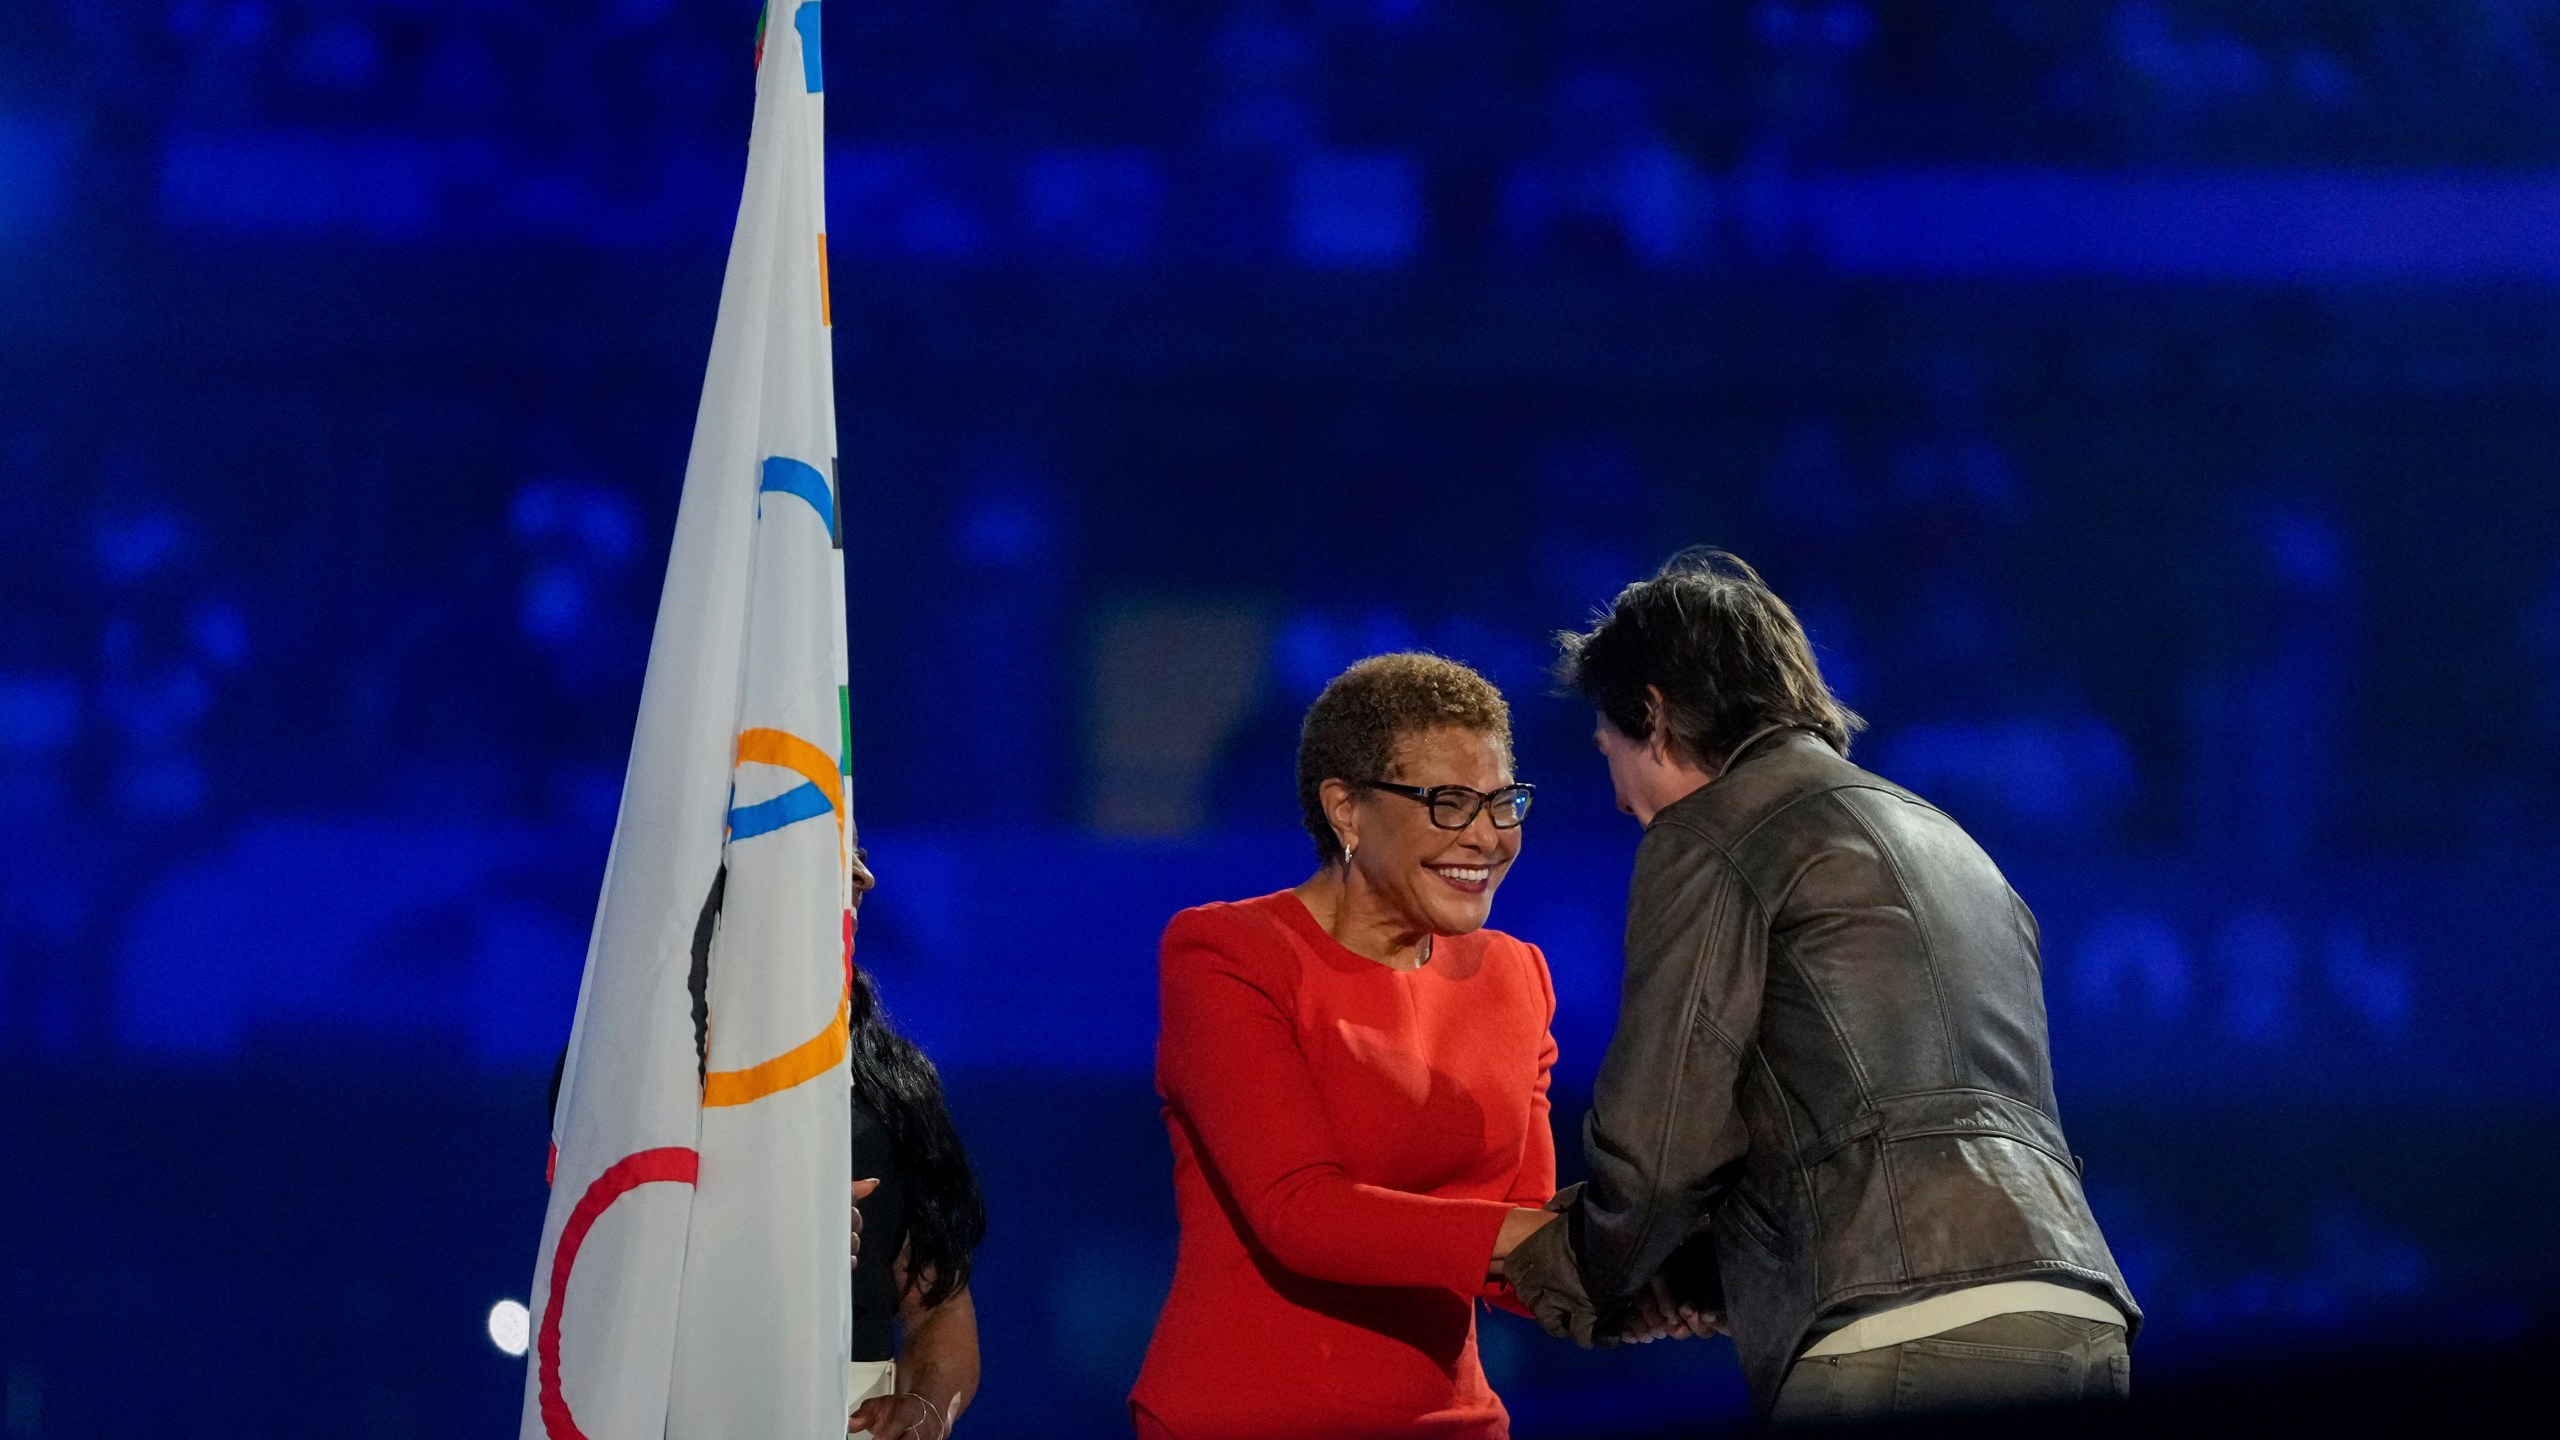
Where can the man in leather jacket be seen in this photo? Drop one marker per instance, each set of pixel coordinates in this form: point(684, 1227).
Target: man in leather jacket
point(1827, 1117)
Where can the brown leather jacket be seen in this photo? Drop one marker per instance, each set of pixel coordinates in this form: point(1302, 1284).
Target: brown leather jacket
point(1830, 1069)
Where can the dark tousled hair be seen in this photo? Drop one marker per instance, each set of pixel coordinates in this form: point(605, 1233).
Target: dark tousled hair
point(1727, 653)
point(1352, 729)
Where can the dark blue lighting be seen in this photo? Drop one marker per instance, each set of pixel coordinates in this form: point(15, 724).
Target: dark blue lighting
point(2147, 408)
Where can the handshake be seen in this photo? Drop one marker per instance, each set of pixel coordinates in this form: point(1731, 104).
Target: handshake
point(1683, 1301)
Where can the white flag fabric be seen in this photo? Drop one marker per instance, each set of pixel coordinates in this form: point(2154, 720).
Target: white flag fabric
point(692, 1281)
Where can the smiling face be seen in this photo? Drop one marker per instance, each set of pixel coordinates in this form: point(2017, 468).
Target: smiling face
point(1437, 881)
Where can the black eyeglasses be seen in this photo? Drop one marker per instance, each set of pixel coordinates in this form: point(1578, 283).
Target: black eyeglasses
point(1454, 807)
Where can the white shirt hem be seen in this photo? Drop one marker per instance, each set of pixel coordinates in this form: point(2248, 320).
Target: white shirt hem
point(1958, 1308)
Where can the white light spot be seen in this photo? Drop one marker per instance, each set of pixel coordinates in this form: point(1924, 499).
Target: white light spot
point(510, 1326)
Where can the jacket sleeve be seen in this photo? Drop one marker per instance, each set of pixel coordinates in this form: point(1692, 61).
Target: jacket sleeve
point(1536, 1182)
point(1665, 1126)
point(1229, 1065)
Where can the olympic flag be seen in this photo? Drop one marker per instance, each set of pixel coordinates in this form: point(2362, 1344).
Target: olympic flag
point(692, 1281)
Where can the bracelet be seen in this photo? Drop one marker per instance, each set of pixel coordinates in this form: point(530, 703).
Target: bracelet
point(942, 1427)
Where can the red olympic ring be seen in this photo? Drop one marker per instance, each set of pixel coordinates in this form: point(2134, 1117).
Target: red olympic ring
point(673, 1164)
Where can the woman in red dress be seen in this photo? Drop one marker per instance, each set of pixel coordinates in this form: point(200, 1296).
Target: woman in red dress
point(1354, 1076)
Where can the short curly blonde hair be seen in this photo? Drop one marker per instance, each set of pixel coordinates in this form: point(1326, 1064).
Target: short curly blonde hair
point(1352, 729)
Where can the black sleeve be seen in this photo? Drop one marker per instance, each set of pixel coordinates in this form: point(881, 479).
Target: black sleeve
point(1665, 1127)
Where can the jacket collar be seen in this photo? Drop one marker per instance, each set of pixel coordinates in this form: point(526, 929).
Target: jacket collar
point(1754, 738)
point(1757, 741)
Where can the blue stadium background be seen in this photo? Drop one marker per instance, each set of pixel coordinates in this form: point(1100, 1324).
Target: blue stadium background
point(2153, 408)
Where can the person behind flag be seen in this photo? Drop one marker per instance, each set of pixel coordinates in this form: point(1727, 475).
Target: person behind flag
point(919, 1228)
point(917, 1215)
point(1354, 1076)
point(691, 1278)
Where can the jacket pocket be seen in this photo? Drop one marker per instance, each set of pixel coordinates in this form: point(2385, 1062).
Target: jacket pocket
point(1749, 1221)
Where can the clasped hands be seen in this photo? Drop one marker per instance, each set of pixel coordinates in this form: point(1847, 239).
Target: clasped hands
point(1658, 1314)
point(1545, 1271)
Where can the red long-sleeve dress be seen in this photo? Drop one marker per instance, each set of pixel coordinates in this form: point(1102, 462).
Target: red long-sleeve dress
point(1347, 1139)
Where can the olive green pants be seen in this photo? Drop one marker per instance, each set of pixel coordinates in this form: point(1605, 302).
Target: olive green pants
point(2027, 1359)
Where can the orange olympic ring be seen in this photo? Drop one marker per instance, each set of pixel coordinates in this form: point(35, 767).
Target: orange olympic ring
point(823, 1051)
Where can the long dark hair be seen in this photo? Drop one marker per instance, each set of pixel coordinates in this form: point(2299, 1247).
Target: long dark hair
point(892, 1079)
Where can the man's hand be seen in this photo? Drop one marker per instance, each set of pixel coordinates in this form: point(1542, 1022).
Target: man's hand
point(1659, 1315)
point(861, 1191)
